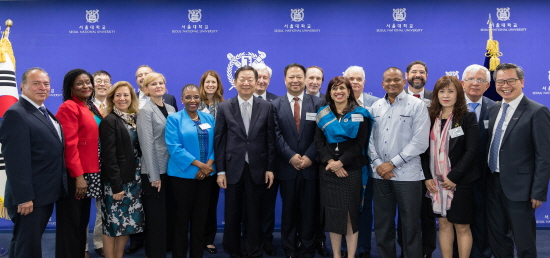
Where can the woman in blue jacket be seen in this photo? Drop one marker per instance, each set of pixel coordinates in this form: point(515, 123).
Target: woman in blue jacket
point(190, 142)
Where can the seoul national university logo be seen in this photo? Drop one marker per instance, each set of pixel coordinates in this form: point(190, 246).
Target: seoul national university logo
point(297, 15)
point(503, 14)
point(399, 14)
point(194, 15)
point(240, 60)
point(92, 16)
point(452, 73)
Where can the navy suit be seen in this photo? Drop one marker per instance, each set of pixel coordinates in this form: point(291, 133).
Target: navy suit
point(524, 174)
point(170, 100)
point(245, 180)
point(298, 187)
point(270, 97)
point(35, 169)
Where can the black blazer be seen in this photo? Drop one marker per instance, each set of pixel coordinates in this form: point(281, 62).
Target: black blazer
point(232, 142)
point(270, 97)
point(351, 151)
point(524, 151)
point(33, 154)
point(289, 141)
point(117, 152)
point(170, 100)
point(462, 152)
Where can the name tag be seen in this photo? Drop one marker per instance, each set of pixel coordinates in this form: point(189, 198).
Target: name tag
point(356, 118)
point(456, 132)
point(206, 110)
point(310, 116)
point(486, 123)
point(205, 126)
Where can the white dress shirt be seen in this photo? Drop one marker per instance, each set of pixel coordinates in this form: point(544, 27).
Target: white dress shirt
point(291, 101)
point(264, 95)
point(400, 134)
point(143, 99)
point(509, 113)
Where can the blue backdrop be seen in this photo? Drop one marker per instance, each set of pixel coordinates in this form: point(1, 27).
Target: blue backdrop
point(183, 39)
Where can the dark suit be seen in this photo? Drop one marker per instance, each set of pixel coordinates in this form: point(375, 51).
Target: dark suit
point(270, 97)
point(298, 187)
point(35, 169)
point(480, 246)
point(524, 175)
point(170, 100)
point(245, 181)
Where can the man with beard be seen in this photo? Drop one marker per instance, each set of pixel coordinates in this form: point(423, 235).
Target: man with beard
point(264, 77)
point(417, 74)
point(315, 77)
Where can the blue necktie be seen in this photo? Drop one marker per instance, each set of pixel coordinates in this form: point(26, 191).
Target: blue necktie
point(473, 107)
point(45, 113)
point(260, 96)
point(496, 140)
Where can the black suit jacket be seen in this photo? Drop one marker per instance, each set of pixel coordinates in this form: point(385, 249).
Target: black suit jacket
point(462, 152)
point(270, 97)
point(290, 141)
point(232, 142)
point(481, 159)
point(33, 153)
point(170, 100)
point(523, 155)
point(117, 153)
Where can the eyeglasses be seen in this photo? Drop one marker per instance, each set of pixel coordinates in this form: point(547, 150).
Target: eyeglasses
point(189, 97)
point(472, 80)
point(511, 82)
point(99, 82)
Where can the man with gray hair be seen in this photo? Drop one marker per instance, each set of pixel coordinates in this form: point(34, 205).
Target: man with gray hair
point(476, 80)
point(264, 78)
point(356, 75)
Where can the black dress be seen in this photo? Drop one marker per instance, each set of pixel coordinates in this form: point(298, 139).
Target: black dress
point(341, 196)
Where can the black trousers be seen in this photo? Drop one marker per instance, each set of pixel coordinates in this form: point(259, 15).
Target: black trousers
point(297, 216)
point(27, 231)
point(192, 199)
point(154, 207)
point(509, 222)
point(267, 213)
point(72, 218)
point(212, 219)
point(246, 192)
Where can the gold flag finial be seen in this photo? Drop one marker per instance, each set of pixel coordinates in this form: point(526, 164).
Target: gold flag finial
point(492, 48)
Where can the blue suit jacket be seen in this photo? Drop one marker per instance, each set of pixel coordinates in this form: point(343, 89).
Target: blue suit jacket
point(481, 159)
point(368, 99)
point(182, 141)
point(270, 97)
point(170, 100)
point(232, 142)
point(290, 141)
point(33, 154)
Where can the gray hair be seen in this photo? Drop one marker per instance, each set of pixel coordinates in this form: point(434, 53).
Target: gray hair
point(472, 69)
point(262, 66)
point(26, 74)
point(354, 68)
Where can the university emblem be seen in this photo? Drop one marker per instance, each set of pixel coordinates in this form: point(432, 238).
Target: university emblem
point(194, 15)
point(399, 14)
point(240, 60)
point(503, 14)
point(92, 16)
point(297, 15)
point(452, 73)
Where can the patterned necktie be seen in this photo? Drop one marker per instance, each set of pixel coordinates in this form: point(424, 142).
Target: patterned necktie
point(297, 113)
point(101, 107)
point(45, 113)
point(495, 145)
point(416, 95)
point(246, 116)
point(473, 107)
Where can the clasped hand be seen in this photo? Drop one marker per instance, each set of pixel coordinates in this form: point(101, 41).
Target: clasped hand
point(385, 171)
point(300, 162)
point(337, 167)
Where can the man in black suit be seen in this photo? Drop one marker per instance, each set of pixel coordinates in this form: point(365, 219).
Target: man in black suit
point(137, 240)
point(417, 75)
point(245, 159)
point(264, 78)
point(297, 171)
point(517, 156)
point(315, 77)
point(32, 145)
point(476, 79)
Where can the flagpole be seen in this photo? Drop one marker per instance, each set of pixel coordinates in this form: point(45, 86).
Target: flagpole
point(6, 33)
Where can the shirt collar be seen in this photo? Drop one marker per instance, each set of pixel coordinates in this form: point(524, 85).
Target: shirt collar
point(291, 97)
point(421, 93)
point(399, 97)
point(32, 102)
point(241, 100)
point(515, 103)
point(264, 95)
point(97, 102)
point(468, 101)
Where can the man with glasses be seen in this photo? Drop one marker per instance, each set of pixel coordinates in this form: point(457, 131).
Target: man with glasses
point(518, 151)
point(476, 80)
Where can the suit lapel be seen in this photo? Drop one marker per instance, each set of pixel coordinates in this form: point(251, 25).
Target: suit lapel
point(452, 141)
point(484, 113)
point(157, 111)
point(515, 117)
point(307, 105)
point(236, 111)
point(287, 113)
point(38, 114)
point(493, 113)
point(256, 109)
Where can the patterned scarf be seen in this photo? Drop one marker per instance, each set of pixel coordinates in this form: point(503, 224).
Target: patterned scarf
point(129, 118)
point(440, 165)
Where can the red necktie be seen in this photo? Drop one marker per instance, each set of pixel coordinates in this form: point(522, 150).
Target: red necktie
point(416, 95)
point(297, 113)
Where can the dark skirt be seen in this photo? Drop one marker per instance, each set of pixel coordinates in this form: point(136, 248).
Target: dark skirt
point(462, 206)
point(340, 196)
